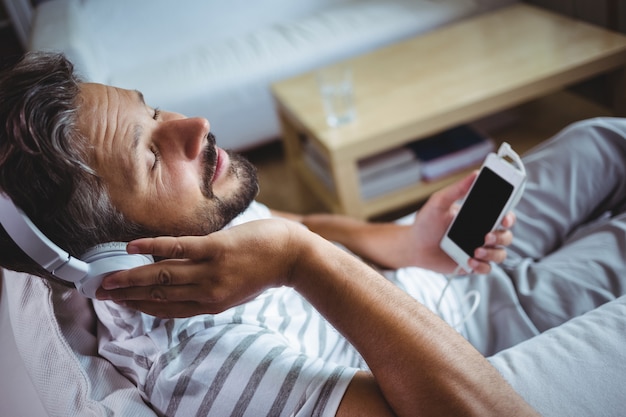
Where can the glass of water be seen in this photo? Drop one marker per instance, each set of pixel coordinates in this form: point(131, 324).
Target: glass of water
point(337, 93)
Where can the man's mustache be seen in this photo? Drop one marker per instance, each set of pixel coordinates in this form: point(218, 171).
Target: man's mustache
point(209, 159)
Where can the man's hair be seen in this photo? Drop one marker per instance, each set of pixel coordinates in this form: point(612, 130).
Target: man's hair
point(43, 162)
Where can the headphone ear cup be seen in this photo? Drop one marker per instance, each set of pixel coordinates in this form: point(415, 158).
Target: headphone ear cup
point(103, 260)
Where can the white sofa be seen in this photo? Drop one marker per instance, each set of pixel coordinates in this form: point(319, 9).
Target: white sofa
point(217, 59)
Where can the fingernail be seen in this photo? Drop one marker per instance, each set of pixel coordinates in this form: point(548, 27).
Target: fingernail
point(102, 295)
point(109, 284)
point(132, 249)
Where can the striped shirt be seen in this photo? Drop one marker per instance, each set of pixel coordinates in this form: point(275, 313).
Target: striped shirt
point(273, 356)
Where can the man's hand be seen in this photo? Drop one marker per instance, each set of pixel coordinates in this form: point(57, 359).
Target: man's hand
point(207, 274)
point(393, 246)
point(432, 221)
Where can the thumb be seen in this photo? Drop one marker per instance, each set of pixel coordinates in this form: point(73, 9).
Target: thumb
point(456, 191)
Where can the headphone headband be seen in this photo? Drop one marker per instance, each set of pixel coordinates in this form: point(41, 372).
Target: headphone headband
point(37, 245)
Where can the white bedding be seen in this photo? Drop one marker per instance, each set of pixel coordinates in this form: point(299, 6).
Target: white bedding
point(577, 369)
point(57, 349)
point(18, 396)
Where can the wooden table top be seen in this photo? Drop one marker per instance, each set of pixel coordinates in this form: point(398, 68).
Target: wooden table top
point(453, 75)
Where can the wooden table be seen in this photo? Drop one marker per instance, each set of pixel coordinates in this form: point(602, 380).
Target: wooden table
point(427, 84)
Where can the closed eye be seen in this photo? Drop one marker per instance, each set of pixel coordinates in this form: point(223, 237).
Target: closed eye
point(153, 149)
point(157, 157)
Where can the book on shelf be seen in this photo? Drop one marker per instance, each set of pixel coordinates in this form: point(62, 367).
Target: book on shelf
point(377, 164)
point(391, 179)
point(378, 175)
point(451, 151)
point(424, 159)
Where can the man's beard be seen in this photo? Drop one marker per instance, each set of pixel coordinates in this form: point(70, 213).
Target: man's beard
point(224, 210)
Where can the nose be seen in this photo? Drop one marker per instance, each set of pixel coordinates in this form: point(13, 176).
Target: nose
point(184, 136)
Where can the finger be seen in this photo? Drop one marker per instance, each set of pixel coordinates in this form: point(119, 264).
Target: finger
point(479, 267)
point(190, 247)
point(484, 254)
point(167, 310)
point(170, 272)
point(499, 238)
point(508, 220)
point(157, 293)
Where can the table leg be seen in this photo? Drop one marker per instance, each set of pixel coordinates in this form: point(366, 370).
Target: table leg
point(346, 177)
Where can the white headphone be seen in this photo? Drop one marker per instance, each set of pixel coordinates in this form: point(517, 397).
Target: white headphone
point(86, 273)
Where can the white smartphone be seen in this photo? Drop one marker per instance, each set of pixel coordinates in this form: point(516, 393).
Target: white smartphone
point(495, 191)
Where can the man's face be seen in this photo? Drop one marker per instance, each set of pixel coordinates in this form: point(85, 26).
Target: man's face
point(162, 170)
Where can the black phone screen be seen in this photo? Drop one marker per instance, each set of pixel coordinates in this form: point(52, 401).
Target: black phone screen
point(480, 210)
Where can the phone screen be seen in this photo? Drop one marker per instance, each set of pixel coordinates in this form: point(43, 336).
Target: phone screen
point(480, 210)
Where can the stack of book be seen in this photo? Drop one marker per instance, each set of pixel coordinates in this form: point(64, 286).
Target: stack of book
point(451, 151)
point(425, 159)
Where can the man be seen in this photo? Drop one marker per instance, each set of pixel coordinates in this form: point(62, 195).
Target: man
point(153, 176)
point(117, 169)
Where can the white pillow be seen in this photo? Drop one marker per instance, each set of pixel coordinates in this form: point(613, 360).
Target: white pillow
point(54, 330)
